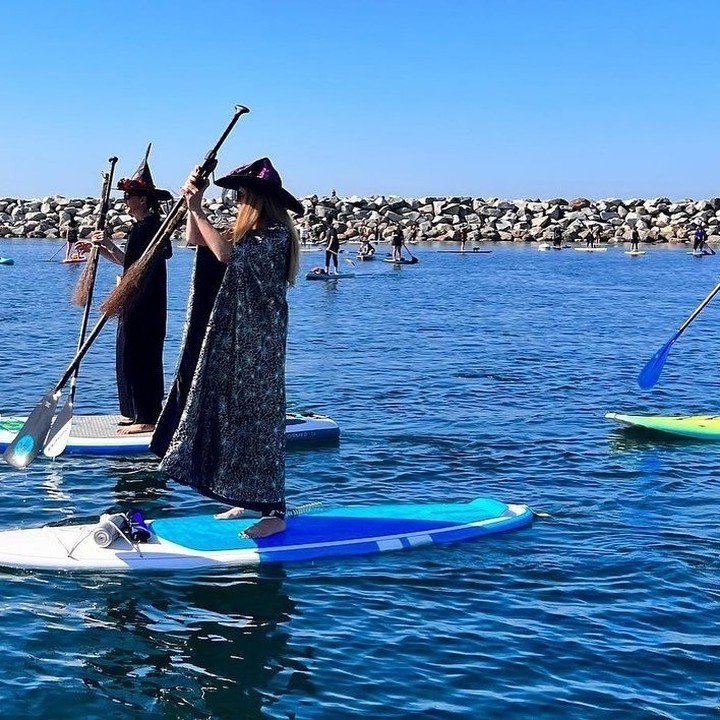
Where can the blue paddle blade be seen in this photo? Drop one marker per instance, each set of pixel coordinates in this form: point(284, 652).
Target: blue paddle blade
point(650, 374)
point(31, 438)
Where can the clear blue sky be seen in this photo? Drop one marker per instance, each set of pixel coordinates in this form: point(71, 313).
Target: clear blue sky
point(509, 98)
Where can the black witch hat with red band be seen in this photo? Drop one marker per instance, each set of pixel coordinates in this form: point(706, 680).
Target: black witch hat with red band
point(141, 183)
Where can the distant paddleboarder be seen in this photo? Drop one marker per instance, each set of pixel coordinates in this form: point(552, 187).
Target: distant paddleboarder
point(396, 243)
point(557, 237)
point(635, 241)
point(366, 247)
point(332, 247)
point(71, 237)
point(699, 239)
point(463, 237)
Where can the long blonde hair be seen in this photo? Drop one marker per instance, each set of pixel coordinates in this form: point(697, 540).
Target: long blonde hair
point(256, 207)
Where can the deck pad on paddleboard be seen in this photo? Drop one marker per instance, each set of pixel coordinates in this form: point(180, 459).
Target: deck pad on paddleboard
point(699, 427)
point(97, 434)
point(204, 541)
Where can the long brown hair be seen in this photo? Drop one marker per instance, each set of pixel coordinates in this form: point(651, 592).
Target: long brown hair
point(256, 207)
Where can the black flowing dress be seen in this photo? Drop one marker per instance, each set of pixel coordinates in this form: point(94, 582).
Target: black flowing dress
point(141, 331)
point(230, 441)
point(208, 274)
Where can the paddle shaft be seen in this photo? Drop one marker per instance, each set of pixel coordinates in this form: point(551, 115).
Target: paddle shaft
point(698, 310)
point(55, 253)
point(160, 236)
point(408, 250)
point(337, 255)
point(93, 263)
point(206, 167)
point(177, 212)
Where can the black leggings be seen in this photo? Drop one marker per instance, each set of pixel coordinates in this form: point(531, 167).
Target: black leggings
point(330, 255)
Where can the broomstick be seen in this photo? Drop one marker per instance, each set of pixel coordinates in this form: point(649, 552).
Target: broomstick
point(84, 287)
point(121, 298)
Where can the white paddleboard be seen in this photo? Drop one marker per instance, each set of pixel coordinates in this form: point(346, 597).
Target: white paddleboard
point(97, 434)
point(185, 543)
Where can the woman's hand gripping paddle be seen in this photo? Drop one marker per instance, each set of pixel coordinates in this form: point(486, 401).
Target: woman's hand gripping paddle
point(650, 374)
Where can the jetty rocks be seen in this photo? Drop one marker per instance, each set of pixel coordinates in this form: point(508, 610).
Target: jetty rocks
point(435, 218)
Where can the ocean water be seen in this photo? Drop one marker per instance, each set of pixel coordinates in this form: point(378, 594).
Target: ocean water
point(462, 376)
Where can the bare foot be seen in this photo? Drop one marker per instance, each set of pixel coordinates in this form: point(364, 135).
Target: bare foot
point(237, 512)
point(135, 429)
point(265, 528)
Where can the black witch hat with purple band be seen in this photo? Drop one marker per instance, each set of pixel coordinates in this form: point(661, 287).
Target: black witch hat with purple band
point(141, 183)
point(261, 177)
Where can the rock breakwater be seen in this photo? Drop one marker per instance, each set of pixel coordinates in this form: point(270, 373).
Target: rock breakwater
point(436, 218)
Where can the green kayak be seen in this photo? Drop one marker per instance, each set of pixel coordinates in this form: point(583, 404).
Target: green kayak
point(701, 427)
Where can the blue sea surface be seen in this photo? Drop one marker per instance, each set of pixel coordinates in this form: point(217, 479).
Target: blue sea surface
point(459, 377)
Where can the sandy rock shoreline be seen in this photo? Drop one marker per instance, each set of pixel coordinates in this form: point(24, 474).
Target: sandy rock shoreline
point(436, 218)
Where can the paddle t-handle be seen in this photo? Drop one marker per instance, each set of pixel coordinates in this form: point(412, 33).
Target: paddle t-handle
point(107, 188)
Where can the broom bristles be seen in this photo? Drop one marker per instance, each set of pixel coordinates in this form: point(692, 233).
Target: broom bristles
point(121, 299)
point(83, 286)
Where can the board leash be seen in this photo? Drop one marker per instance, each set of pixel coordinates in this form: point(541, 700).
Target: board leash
point(306, 508)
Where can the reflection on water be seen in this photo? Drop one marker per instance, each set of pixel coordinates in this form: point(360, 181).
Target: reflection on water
point(211, 645)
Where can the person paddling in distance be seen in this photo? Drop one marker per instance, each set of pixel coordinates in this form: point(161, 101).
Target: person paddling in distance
point(230, 439)
point(332, 247)
point(141, 328)
point(699, 239)
point(366, 247)
point(635, 241)
point(396, 243)
point(71, 238)
point(463, 237)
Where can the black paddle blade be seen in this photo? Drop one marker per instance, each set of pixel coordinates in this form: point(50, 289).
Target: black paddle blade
point(29, 441)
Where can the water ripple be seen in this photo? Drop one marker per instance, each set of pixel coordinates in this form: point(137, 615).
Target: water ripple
point(450, 380)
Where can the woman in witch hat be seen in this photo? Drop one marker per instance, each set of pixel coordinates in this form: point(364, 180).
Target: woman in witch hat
point(141, 328)
point(225, 415)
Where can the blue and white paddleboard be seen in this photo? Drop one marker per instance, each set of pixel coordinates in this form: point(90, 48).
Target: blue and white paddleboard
point(201, 541)
point(97, 434)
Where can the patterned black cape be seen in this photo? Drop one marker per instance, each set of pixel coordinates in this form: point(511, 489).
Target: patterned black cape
point(230, 441)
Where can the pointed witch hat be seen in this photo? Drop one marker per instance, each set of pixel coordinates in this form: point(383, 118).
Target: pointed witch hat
point(141, 183)
point(263, 178)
